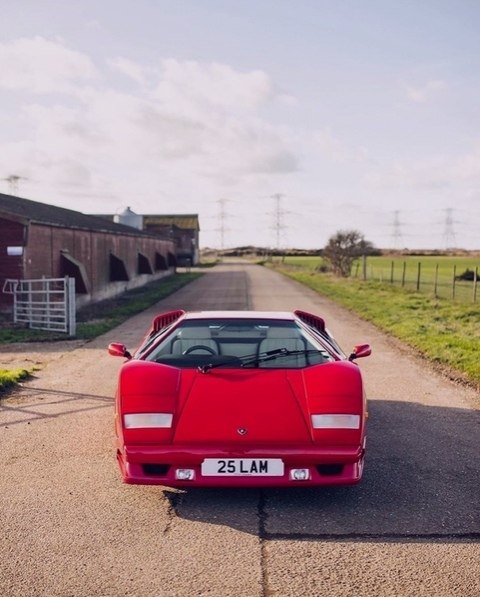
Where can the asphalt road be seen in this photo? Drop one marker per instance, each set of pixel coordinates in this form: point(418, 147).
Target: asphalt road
point(69, 527)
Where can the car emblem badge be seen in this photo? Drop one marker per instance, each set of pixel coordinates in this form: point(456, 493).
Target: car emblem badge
point(242, 431)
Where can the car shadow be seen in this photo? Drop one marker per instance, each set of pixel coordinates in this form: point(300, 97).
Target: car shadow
point(28, 404)
point(421, 483)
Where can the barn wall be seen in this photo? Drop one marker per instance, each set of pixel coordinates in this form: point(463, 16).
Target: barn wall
point(43, 257)
point(186, 239)
point(125, 248)
point(11, 266)
point(38, 255)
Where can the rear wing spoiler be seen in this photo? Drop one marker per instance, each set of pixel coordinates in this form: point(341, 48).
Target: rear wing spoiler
point(318, 323)
point(314, 321)
point(161, 321)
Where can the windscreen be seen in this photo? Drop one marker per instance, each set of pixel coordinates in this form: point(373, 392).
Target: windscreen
point(239, 343)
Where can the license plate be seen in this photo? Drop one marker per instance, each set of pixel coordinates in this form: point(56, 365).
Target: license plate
point(242, 467)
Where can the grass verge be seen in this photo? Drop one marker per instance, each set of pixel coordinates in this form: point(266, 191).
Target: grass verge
point(10, 377)
point(102, 317)
point(445, 332)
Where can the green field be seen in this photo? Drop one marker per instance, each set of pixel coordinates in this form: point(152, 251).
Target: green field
point(433, 275)
point(447, 332)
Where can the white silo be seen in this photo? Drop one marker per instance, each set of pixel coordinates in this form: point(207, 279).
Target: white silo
point(129, 218)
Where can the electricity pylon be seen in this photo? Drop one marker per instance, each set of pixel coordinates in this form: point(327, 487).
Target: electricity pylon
point(13, 180)
point(279, 213)
point(397, 233)
point(449, 232)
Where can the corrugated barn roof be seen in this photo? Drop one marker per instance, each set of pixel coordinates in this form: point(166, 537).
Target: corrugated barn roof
point(185, 221)
point(42, 213)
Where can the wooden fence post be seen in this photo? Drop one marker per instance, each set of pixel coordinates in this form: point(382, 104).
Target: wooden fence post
point(435, 287)
point(475, 280)
point(404, 273)
point(454, 281)
point(392, 266)
point(419, 269)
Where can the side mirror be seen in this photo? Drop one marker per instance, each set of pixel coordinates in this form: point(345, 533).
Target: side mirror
point(118, 350)
point(359, 351)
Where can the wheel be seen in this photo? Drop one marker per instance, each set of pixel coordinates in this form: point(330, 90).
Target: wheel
point(199, 347)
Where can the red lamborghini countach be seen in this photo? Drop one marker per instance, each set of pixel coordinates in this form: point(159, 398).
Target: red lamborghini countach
point(240, 398)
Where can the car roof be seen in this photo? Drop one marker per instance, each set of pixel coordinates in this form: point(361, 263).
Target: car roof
point(285, 315)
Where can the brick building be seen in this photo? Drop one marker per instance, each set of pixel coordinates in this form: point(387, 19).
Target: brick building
point(182, 229)
point(105, 258)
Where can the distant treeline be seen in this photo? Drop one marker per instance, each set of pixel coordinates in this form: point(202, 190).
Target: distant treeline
point(291, 252)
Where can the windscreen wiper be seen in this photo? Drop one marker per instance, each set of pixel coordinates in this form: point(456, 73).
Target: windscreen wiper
point(254, 359)
point(270, 355)
point(228, 360)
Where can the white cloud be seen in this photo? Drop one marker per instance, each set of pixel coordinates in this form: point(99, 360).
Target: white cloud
point(187, 133)
point(133, 70)
point(41, 66)
point(335, 150)
point(409, 175)
point(467, 167)
point(217, 86)
point(95, 25)
point(421, 94)
point(287, 99)
point(433, 173)
point(187, 125)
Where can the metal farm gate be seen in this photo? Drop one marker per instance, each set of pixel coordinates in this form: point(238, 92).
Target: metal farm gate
point(44, 304)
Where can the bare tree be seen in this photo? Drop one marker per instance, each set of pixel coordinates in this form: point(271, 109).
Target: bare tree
point(343, 248)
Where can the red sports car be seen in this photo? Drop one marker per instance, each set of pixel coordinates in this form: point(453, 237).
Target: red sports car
point(240, 398)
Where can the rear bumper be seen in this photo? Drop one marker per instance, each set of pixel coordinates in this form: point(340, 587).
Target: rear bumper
point(157, 465)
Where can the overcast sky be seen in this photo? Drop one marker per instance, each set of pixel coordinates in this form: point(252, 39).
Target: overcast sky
point(279, 122)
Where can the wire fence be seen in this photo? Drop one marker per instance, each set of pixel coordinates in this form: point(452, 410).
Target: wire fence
point(437, 279)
